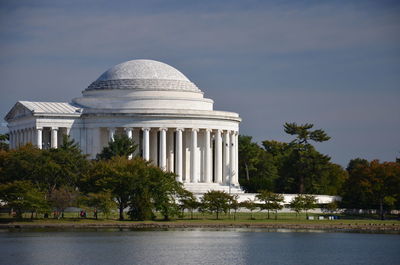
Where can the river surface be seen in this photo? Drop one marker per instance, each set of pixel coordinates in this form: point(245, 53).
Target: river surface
point(232, 246)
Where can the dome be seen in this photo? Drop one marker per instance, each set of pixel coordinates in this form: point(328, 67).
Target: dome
point(142, 69)
point(143, 75)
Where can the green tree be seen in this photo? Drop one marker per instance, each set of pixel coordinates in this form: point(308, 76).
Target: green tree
point(122, 145)
point(22, 196)
point(216, 202)
point(165, 190)
point(46, 169)
point(354, 195)
point(120, 176)
point(250, 205)
point(100, 202)
point(383, 186)
point(256, 167)
point(141, 205)
point(63, 197)
point(296, 204)
point(331, 207)
point(136, 184)
point(4, 141)
point(24, 163)
point(248, 156)
point(372, 185)
point(302, 147)
point(188, 201)
point(310, 203)
point(234, 205)
point(64, 166)
point(303, 202)
point(271, 201)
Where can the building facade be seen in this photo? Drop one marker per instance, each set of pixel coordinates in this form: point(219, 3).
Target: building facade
point(174, 126)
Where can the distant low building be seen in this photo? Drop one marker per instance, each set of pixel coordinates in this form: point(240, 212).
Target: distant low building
point(157, 106)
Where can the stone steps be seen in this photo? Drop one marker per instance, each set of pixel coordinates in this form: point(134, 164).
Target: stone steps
point(201, 188)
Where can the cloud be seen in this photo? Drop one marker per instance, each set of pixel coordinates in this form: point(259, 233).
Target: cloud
point(333, 64)
point(51, 31)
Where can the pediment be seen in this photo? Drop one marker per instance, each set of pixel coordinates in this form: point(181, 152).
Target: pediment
point(18, 111)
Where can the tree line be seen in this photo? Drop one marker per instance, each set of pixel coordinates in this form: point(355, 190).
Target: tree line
point(38, 180)
point(49, 181)
point(298, 167)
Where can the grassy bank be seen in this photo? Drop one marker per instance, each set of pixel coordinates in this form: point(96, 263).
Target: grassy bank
point(242, 220)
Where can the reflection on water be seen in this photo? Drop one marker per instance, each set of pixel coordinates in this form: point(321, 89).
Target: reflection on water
point(197, 246)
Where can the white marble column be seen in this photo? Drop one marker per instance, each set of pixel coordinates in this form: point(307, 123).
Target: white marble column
point(232, 158)
point(111, 134)
point(96, 141)
point(163, 148)
point(208, 157)
point(170, 150)
point(128, 132)
point(31, 136)
point(39, 138)
point(218, 157)
point(226, 158)
point(236, 164)
point(146, 143)
point(54, 137)
point(26, 136)
point(193, 157)
point(15, 138)
point(23, 137)
point(16, 144)
point(154, 146)
point(20, 138)
point(178, 166)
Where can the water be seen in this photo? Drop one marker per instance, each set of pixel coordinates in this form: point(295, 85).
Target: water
point(233, 246)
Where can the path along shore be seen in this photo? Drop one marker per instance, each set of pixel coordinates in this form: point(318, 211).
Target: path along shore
point(384, 228)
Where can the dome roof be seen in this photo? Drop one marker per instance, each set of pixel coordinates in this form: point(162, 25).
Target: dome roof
point(143, 75)
point(142, 69)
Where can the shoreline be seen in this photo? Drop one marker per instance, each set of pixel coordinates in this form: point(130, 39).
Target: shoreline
point(340, 227)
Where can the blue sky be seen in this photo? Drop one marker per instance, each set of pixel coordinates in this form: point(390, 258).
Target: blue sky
point(335, 64)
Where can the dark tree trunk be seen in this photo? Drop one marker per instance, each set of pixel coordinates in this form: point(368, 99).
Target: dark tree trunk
point(381, 212)
point(18, 214)
point(301, 184)
point(121, 212)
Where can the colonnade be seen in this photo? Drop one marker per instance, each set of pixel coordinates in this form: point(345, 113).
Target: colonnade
point(35, 136)
point(194, 155)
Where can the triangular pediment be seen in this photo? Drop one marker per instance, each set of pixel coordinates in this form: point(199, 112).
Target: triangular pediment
point(18, 111)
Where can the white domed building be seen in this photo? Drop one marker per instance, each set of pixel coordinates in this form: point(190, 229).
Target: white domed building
point(166, 114)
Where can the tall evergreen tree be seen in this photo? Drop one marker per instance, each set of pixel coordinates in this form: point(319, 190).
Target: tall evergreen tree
point(122, 145)
point(303, 151)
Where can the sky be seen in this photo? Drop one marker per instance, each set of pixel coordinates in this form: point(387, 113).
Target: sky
point(335, 64)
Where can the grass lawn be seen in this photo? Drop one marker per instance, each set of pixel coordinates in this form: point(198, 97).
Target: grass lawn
point(199, 218)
